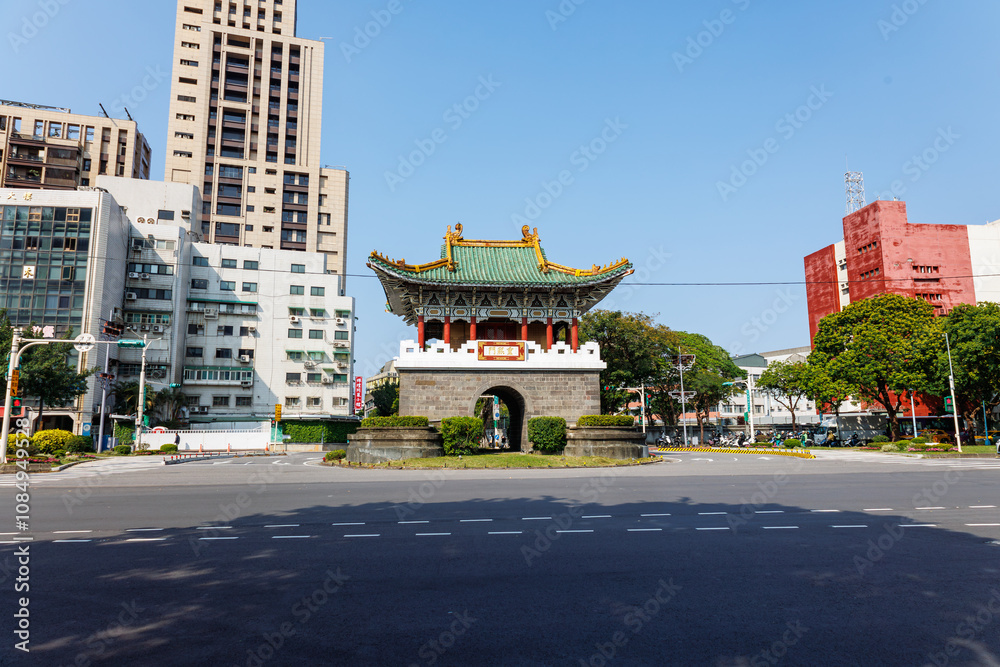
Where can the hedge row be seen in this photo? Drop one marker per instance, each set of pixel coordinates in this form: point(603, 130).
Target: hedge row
point(461, 435)
point(395, 422)
point(317, 431)
point(606, 420)
point(55, 440)
point(547, 434)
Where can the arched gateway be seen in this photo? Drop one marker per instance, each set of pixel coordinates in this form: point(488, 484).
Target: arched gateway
point(497, 318)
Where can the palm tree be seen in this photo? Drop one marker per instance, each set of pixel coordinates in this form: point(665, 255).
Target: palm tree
point(127, 397)
point(169, 403)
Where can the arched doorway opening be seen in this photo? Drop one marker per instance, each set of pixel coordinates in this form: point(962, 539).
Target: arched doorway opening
point(513, 409)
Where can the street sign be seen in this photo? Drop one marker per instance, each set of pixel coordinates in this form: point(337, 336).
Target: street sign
point(84, 342)
point(277, 413)
point(14, 379)
point(359, 393)
point(685, 361)
point(679, 395)
point(131, 343)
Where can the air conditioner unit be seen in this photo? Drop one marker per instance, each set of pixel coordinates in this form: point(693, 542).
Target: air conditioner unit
point(251, 330)
point(157, 328)
point(211, 313)
point(310, 364)
point(341, 364)
point(294, 319)
point(341, 343)
point(246, 383)
point(200, 409)
point(133, 275)
point(327, 379)
point(144, 276)
point(131, 296)
point(244, 358)
point(144, 327)
point(341, 321)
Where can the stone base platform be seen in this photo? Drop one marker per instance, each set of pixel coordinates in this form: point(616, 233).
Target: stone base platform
point(608, 441)
point(378, 445)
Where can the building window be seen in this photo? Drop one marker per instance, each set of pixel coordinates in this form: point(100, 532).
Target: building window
point(246, 353)
point(314, 402)
point(250, 266)
point(196, 329)
point(341, 335)
point(317, 356)
point(223, 353)
point(317, 291)
point(220, 401)
point(195, 352)
point(199, 283)
point(229, 263)
point(295, 333)
point(294, 356)
point(224, 331)
point(292, 401)
point(293, 377)
point(244, 331)
point(244, 401)
point(201, 261)
point(249, 287)
point(297, 289)
point(228, 285)
point(298, 268)
point(316, 334)
point(345, 314)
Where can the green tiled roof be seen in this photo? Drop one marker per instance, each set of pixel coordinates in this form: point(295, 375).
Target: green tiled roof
point(490, 265)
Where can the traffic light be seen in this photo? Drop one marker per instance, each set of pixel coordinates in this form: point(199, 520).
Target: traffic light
point(949, 405)
point(112, 329)
point(174, 385)
point(277, 413)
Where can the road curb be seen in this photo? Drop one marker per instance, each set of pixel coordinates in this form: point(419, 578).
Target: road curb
point(798, 453)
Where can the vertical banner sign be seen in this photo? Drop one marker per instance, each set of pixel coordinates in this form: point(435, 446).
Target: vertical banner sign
point(359, 394)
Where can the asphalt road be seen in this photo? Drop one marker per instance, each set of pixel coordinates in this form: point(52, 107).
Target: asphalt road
point(706, 559)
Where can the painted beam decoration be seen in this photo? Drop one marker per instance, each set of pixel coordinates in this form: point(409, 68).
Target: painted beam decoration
point(502, 350)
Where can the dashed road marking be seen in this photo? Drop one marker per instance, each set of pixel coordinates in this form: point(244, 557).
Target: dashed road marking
point(981, 507)
point(143, 530)
point(360, 523)
point(290, 537)
point(878, 509)
point(644, 530)
point(716, 528)
point(282, 525)
point(710, 513)
point(855, 526)
point(505, 532)
point(213, 527)
point(432, 534)
point(68, 541)
point(403, 523)
point(535, 518)
point(146, 539)
point(574, 531)
point(928, 508)
point(918, 525)
point(597, 516)
point(982, 524)
point(769, 511)
point(780, 527)
point(367, 535)
point(218, 538)
point(474, 520)
point(819, 511)
point(654, 515)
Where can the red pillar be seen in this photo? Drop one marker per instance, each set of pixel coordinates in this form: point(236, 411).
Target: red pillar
point(472, 328)
point(548, 334)
point(447, 330)
point(420, 331)
point(576, 335)
point(524, 328)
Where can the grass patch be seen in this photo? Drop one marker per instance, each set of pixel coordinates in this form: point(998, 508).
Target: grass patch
point(511, 460)
point(967, 449)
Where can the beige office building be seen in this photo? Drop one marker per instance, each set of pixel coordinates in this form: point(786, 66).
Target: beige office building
point(55, 149)
point(245, 116)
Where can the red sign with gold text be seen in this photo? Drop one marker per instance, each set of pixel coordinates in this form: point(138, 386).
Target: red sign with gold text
point(501, 350)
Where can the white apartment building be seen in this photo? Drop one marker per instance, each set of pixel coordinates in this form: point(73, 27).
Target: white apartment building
point(767, 412)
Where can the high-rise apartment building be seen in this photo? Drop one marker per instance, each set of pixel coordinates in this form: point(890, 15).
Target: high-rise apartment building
point(245, 118)
point(55, 149)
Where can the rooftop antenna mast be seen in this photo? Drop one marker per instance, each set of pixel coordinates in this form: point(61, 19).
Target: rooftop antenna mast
point(855, 182)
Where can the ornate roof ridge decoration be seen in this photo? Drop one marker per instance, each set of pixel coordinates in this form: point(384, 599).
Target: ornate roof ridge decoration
point(530, 239)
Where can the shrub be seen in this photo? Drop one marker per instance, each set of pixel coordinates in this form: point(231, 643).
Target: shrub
point(880, 439)
point(59, 453)
point(124, 434)
point(51, 440)
point(318, 431)
point(792, 443)
point(80, 443)
point(395, 422)
point(621, 421)
point(919, 440)
point(461, 435)
point(26, 444)
point(890, 447)
point(168, 448)
point(335, 455)
point(123, 450)
point(547, 434)
point(761, 438)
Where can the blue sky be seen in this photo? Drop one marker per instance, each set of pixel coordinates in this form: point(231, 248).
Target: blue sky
point(682, 92)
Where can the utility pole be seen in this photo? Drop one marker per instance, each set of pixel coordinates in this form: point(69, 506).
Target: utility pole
point(142, 396)
point(954, 403)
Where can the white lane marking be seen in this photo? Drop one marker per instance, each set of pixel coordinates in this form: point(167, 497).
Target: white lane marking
point(146, 539)
point(918, 525)
point(855, 526)
point(403, 523)
point(361, 523)
point(218, 538)
point(69, 541)
point(143, 530)
point(9, 542)
point(574, 531)
point(981, 507)
point(368, 535)
point(824, 510)
point(59, 532)
point(505, 532)
point(643, 530)
point(780, 527)
point(723, 528)
point(709, 513)
point(597, 516)
point(290, 537)
point(282, 525)
point(982, 524)
point(535, 518)
point(878, 509)
point(928, 508)
point(213, 527)
point(473, 520)
point(654, 515)
point(769, 511)
point(432, 534)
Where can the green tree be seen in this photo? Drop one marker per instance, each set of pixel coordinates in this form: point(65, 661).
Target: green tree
point(634, 348)
point(827, 393)
point(168, 403)
point(974, 334)
point(386, 396)
point(787, 383)
point(47, 375)
point(127, 397)
point(880, 348)
point(712, 369)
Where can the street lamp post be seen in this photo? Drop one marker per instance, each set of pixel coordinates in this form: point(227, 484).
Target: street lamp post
point(951, 384)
